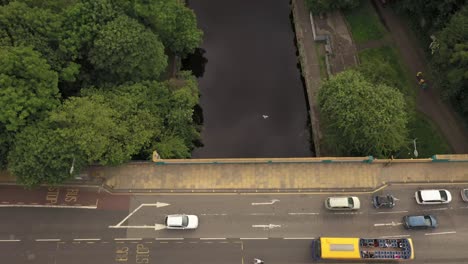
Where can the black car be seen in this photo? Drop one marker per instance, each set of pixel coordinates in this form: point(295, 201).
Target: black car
point(420, 221)
point(387, 201)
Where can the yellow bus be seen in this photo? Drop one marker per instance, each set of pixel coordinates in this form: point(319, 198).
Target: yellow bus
point(366, 249)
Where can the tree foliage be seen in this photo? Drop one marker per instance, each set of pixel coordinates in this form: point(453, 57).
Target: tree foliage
point(81, 24)
point(451, 60)
point(431, 15)
point(104, 134)
point(43, 155)
point(362, 118)
point(322, 6)
point(173, 22)
point(106, 57)
point(124, 50)
point(39, 28)
point(28, 87)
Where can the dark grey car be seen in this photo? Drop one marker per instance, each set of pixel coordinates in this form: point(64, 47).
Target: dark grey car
point(420, 221)
point(386, 201)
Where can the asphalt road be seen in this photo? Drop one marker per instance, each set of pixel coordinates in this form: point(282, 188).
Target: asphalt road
point(234, 228)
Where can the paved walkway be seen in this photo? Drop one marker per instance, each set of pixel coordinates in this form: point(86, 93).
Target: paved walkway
point(310, 66)
point(291, 174)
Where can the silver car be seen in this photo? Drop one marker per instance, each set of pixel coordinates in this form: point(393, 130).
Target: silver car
point(343, 203)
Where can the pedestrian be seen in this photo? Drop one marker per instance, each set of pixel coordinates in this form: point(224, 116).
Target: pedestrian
point(419, 76)
point(422, 84)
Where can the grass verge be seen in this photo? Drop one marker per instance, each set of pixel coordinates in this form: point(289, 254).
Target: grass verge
point(364, 23)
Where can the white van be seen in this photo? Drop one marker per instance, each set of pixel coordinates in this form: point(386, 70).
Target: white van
point(343, 203)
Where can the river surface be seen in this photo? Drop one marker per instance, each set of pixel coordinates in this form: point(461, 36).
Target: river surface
point(252, 97)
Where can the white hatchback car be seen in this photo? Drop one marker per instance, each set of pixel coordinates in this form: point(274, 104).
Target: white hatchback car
point(181, 221)
point(343, 203)
point(433, 197)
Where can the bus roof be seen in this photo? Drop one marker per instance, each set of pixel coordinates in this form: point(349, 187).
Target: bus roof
point(340, 248)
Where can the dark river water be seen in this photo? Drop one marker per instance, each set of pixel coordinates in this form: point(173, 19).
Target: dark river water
point(252, 97)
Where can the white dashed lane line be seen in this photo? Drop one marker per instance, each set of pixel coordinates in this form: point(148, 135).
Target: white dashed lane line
point(440, 233)
point(10, 240)
point(48, 239)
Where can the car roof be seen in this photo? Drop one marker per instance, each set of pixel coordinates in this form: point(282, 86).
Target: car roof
point(385, 198)
point(417, 220)
point(431, 195)
point(339, 201)
point(174, 220)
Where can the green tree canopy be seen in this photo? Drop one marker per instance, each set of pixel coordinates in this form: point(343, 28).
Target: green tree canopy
point(321, 6)
point(43, 155)
point(362, 118)
point(451, 60)
point(28, 87)
point(175, 23)
point(21, 25)
point(125, 51)
point(81, 24)
point(104, 134)
point(430, 15)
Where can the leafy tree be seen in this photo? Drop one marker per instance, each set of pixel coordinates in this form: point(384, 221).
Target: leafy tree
point(362, 118)
point(430, 15)
point(173, 22)
point(125, 51)
point(168, 113)
point(451, 60)
point(322, 6)
point(105, 134)
point(6, 140)
point(81, 24)
point(28, 87)
point(39, 28)
point(379, 71)
point(43, 155)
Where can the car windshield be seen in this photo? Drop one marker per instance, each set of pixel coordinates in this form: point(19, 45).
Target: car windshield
point(419, 196)
point(443, 195)
point(184, 220)
point(351, 202)
point(427, 221)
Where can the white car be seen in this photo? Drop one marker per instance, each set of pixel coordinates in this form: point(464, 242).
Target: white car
point(433, 197)
point(343, 203)
point(181, 221)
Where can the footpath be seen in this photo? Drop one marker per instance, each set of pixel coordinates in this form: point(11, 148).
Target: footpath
point(272, 175)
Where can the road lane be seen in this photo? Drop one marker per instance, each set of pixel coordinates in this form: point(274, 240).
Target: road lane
point(267, 218)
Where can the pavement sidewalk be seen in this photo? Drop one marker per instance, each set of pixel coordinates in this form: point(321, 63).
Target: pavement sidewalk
point(290, 174)
point(272, 175)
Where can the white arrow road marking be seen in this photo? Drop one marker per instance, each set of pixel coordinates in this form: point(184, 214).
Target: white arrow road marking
point(389, 224)
point(270, 226)
point(159, 227)
point(157, 204)
point(272, 202)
